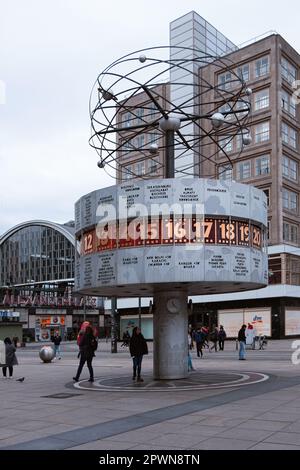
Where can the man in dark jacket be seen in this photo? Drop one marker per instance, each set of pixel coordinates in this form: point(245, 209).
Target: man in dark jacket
point(242, 343)
point(57, 340)
point(10, 358)
point(137, 347)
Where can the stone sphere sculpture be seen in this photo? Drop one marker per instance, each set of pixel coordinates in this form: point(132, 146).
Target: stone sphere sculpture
point(46, 353)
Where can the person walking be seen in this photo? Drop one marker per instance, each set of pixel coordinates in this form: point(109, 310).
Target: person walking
point(10, 358)
point(56, 340)
point(190, 364)
point(221, 338)
point(214, 339)
point(137, 347)
point(199, 338)
point(242, 343)
point(87, 346)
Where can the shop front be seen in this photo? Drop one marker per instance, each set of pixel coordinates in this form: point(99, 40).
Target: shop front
point(47, 325)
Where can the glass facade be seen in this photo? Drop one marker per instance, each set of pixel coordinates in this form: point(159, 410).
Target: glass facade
point(36, 253)
point(191, 30)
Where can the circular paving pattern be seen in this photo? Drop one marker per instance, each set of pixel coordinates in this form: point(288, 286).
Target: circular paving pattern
point(195, 381)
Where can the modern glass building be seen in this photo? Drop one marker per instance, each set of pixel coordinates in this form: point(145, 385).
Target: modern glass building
point(37, 281)
point(37, 251)
point(192, 31)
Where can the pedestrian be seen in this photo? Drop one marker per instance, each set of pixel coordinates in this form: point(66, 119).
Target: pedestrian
point(10, 358)
point(190, 364)
point(242, 343)
point(214, 339)
point(137, 347)
point(204, 332)
point(56, 340)
point(199, 339)
point(126, 339)
point(87, 347)
point(221, 338)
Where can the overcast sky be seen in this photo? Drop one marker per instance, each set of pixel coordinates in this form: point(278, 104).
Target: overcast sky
point(51, 52)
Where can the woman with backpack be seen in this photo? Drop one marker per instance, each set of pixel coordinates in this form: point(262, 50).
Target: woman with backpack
point(137, 347)
point(87, 346)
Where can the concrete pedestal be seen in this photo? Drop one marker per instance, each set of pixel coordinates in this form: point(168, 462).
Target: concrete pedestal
point(170, 335)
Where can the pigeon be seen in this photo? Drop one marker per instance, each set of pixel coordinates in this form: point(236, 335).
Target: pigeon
point(21, 379)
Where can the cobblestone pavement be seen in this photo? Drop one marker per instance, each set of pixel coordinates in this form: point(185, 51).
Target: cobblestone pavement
point(47, 411)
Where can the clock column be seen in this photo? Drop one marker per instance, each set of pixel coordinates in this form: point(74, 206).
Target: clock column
point(170, 335)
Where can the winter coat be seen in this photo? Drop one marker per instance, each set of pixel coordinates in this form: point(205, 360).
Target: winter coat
point(242, 335)
point(138, 345)
point(222, 335)
point(56, 340)
point(87, 346)
point(11, 358)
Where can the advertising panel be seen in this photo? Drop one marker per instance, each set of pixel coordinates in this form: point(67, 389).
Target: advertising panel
point(231, 320)
point(292, 322)
point(260, 320)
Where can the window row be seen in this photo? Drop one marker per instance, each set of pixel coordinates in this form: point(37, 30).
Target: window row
point(140, 142)
point(147, 167)
point(247, 72)
point(144, 113)
point(261, 133)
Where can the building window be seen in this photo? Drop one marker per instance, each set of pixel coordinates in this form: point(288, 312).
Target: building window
point(140, 115)
point(290, 232)
point(244, 72)
point(288, 104)
point(262, 67)
point(288, 71)
point(153, 138)
point(126, 119)
point(267, 193)
point(127, 172)
point(225, 81)
point(244, 170)
point(153, 166)
point(262, 132)
point(261, 99)
point(140, 168)
point(140, 142)
point(289, 168)
point(226, 145)
point(289, 135)
point(290, 200)
point(225, 172)
point(262, 165)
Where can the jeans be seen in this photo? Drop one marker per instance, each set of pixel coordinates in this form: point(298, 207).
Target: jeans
point(88, 361)
point(137, 365)
point(10, 369)
point(190, 364)
point(57, 350)
point(221, 344)
point(242, 351)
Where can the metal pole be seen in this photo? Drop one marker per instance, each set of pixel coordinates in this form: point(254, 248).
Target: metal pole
point(114, 330)
point(170, 154)
point(140, 312)
point(84, 308)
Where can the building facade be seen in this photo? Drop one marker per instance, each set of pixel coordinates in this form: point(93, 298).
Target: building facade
point(37, 280)
point(270, 67)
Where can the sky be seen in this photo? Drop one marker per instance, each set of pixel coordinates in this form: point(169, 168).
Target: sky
point(51, 52)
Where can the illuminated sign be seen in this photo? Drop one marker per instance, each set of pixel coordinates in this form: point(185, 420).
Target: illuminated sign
point(171, 231)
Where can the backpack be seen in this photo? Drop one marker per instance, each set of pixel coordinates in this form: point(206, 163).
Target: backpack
point(94, 344)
